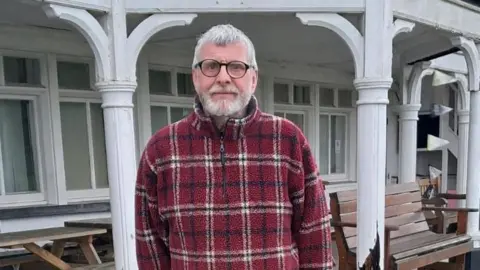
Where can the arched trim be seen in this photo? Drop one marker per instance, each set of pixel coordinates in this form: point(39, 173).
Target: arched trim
point(419, 71)
point(91, 30)
point(149, 27)
point(344, 29)
point(472, 58)
point(463, 93)
point(402, 26)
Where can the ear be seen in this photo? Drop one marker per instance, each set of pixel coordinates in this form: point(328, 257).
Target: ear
point(195, 78)
point(254, 80)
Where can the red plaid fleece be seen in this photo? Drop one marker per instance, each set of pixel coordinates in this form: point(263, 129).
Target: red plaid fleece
point(247, 198)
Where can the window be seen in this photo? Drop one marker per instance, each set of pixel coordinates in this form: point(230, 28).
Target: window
point(84, 150)
point(171, 95)
point(162, 115)
point(21, 156)
point(82, 128)
point(21, 71)
point(332, 146)
point(323, 114)
point(18, 173)
point(297, 118)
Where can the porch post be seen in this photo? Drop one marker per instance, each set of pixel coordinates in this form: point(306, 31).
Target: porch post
point(472, 58)
point(408, 142)
point(411, 95)
point(463, 122)
point(372, 87)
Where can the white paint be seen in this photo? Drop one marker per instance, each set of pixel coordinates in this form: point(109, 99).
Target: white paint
point(146, 29)
point(344, 29)
point(91, 30)
point(473, 173)
point(97, 5)
point(402, 26)
point(472, 57)
point(462, 159)
point(446, 15)
point(408, 142)
point(184, 6)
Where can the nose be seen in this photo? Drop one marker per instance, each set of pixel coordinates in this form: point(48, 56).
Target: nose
point(223, 77)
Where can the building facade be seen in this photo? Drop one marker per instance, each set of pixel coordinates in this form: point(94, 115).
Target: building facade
point(85, 83)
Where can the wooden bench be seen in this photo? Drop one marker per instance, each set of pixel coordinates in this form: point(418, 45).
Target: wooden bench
point(60, 236)
point(409, 243)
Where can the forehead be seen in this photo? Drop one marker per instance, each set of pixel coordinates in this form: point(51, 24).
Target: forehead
point(230, 52)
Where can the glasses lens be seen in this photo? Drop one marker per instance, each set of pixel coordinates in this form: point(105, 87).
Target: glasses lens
point(210, 67)
point(236, 69)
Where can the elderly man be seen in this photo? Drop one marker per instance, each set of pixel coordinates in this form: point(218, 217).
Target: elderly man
point(229, 186)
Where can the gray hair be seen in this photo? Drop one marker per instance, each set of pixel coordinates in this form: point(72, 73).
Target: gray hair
point(222, 35)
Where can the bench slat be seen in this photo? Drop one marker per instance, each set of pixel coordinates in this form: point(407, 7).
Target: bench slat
point(48, 234)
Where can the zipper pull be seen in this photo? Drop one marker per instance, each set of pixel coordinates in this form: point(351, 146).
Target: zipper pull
point(222, 150)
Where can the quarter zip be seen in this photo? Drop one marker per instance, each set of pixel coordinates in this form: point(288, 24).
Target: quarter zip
point(222, 160)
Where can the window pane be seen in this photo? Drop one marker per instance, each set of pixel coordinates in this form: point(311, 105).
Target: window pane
point(280, 94)
point(185, 85)
point(326, 97)
point(73, 75)
point(337, 151)
point(297, 119)
point(159, 117)
point(177, 114)
point(301, 94)
point(76, 154)
point(99, 147)
point(159, 82)
point(345, 98)
point(324, 145)
point(17, 153)
point(279, 114)
point(21, 71)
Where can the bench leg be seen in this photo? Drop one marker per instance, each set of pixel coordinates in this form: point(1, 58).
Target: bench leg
point(47, 256)
point(89, 251)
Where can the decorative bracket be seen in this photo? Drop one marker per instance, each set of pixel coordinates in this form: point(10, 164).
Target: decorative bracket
point(472, 58)
point(402, 26)
point(344, 29)
point(91, 30)
point(147, 28)
point(414, 90)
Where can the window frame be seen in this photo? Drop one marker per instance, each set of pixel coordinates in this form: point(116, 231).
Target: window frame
point(83, 96)
point(38, 95)
point(312, 113)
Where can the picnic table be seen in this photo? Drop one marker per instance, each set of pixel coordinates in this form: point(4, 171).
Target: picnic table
point(99, 223)
point(60, 236)
point(105, 242)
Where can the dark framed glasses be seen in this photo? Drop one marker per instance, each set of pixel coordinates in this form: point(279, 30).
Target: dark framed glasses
point(211, 68)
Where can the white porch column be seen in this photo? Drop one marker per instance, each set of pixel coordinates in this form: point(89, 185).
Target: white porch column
point(472, 58)
point(463, 112)
point(411, 99)
point(121, 158)
point(115, 64)
point(408, 142)
point(473, 173)
point(463, 122)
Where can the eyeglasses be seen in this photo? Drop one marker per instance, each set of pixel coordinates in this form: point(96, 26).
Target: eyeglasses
point(211, 68)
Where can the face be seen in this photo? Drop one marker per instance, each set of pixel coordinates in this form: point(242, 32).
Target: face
point(222, 95)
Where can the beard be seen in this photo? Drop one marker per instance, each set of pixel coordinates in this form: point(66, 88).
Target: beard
point(224, 107)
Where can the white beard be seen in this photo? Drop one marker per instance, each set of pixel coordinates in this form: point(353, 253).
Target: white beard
point(224, 108)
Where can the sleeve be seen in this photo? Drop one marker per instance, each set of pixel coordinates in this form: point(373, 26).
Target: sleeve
point(311, 218)
point(151, 229)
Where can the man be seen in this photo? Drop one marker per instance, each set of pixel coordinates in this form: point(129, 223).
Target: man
point(230, 187)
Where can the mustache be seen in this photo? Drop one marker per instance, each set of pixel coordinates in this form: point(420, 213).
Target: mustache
point(217, 90)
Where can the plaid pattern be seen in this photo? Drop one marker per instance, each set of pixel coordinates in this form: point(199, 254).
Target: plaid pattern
point(258, 204)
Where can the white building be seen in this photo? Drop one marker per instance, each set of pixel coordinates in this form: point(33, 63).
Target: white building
point(327, 66)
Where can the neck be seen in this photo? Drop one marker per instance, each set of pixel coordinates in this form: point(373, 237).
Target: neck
point(220, 121)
